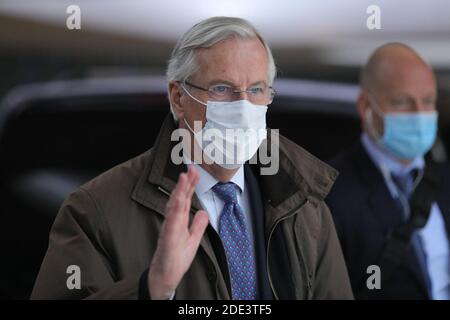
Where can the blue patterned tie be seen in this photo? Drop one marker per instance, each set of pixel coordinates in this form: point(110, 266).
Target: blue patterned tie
point(237, 243)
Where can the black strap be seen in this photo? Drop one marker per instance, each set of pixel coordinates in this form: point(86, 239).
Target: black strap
point(399, 239)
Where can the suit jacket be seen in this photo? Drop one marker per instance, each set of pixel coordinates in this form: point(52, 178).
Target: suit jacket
point(364, 213)
point(109, 227)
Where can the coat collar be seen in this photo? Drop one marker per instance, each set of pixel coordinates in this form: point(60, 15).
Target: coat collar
point(161, 172)
point(300, 176)
point(377, 193)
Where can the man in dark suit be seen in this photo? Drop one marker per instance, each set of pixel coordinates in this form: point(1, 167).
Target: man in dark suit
point(379, 174)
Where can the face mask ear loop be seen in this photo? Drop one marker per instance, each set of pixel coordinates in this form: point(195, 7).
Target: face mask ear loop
point(376, 107)
point(190, 95)
point(194, 98)
point(189, 127)
point(370, 126)
point(369, 116)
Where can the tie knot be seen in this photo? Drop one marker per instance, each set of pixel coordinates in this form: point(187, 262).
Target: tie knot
point(405, 181)
point(226, 192)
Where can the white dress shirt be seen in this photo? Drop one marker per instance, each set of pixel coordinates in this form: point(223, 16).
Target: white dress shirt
point(213, 205)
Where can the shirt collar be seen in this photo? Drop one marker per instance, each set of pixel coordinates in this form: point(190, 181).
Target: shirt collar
point(207, 181)
point(385, 161)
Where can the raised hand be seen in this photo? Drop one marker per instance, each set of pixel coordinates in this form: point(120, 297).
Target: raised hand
point(178, 243)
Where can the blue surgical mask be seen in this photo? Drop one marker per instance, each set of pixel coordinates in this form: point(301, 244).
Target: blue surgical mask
point(408, 135)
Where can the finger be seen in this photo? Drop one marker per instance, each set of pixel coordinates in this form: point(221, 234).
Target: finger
point(176, 189)
point(193, 178)
point(177, 194)
point(176, 217)
point(176, 208)
point(198, 227)
point(176, 232)
point(181, 183)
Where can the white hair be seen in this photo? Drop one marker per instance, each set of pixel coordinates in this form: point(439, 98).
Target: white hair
point(205, 34)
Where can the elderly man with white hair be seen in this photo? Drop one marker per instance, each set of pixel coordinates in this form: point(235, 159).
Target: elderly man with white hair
point(211, 225)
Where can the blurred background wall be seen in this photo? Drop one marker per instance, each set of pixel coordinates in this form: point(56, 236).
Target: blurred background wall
point(322, 39)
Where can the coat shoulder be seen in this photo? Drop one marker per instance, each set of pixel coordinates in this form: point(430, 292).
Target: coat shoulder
point(319, 175)
point(120, 178)
point(108, 195)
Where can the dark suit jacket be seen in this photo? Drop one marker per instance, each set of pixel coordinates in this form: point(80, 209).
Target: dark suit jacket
point(364, 212)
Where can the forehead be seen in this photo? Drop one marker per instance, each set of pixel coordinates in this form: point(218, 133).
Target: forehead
point(238, 61)
point(405, 77)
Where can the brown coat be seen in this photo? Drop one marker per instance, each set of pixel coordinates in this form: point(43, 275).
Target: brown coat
point(109, 227)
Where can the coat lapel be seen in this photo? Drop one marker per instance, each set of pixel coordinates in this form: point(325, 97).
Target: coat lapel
point(378, 198)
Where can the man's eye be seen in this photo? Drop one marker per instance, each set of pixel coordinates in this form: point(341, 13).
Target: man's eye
point(429, 101)
point(397, 102)
point(402, 104)
point(256, 90)
point(220, 90)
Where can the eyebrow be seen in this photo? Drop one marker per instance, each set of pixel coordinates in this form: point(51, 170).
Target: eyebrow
point(411, 99)
point(408, 96)
point(216, 81)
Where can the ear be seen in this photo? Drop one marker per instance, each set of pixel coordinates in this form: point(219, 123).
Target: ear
point(175, 94)
point(362, 104)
